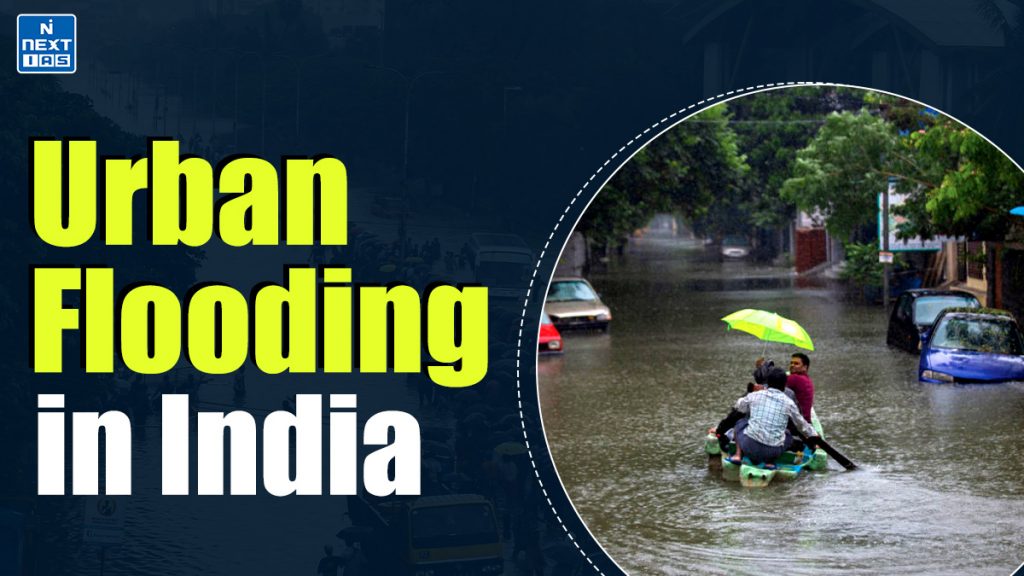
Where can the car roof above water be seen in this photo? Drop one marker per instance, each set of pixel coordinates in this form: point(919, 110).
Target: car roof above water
point(919, 292)
point(987, 313)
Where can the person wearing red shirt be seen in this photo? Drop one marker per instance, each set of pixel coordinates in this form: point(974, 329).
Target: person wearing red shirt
point(800, 383)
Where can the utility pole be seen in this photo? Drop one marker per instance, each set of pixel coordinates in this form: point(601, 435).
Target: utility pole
point(410, 82)
point(886, 255)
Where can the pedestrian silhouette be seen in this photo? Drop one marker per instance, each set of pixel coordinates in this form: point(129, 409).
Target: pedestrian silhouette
point(329, 564)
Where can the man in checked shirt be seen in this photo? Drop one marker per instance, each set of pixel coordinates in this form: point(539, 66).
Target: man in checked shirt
point(760, 432)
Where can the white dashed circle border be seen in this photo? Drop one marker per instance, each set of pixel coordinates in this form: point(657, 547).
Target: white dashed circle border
point(665, 124)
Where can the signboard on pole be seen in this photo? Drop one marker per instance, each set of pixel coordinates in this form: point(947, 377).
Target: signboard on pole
point(898, 245)
point(103, 522)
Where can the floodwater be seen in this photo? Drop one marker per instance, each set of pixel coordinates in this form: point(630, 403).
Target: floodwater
point(940, 488)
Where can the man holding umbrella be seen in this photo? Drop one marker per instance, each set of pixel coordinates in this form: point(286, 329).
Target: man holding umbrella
point(770, 327)
point(800, 383)
point(765, 419)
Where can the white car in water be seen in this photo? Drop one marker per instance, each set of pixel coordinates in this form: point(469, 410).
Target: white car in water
point(735, 247)
point(573, 303)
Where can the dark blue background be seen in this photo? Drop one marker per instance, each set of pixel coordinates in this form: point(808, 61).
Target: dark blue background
point(512, 107)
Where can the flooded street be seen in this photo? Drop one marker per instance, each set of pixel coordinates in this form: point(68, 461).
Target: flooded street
point(940, 488)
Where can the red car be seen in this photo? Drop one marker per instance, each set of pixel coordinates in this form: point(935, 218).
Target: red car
point(550, 340)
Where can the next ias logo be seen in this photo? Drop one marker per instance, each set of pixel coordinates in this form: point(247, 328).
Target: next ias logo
point(47, 44)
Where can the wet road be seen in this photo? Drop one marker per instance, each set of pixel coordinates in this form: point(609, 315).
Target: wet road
point(941, 484)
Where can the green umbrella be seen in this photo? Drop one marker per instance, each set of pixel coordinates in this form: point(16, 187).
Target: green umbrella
point(770, 327)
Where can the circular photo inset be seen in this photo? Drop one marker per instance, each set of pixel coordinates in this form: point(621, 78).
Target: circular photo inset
point(783, 338)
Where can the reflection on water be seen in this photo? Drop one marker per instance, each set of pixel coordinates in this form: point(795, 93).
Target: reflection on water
point(942, 468)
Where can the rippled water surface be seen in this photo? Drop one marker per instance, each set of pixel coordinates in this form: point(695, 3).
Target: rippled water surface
point(940, 489)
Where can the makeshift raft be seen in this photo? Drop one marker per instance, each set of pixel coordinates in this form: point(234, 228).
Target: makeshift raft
point(788, 466)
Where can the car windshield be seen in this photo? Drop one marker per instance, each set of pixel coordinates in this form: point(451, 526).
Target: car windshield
point(734, 241)
point(978, 335)
point(572, 290)
point(544, 318)
point(927, 308)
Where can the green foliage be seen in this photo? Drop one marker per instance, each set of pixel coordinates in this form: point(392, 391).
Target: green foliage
point(696, 168)
point(771, 128)
point(842, 170)
point(862, 265)
point(958, 183)
point(905, 115)
point(746, 165)
point(961, 184)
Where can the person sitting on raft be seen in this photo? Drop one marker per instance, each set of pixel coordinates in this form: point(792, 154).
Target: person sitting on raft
point(762, 367)
point(759, 420)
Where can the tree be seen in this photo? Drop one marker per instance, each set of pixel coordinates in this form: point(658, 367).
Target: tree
point(843, 169)
point(771, 128)
point(960, 184)
point(695, 168)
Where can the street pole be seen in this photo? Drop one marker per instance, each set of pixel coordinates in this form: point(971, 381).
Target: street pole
point(234, 121)
point(410, 83)
point(298, 87)
point(885, 246)
point(405, 174)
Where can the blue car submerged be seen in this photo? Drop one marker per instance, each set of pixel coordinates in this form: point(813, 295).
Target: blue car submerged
point(973, 346)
